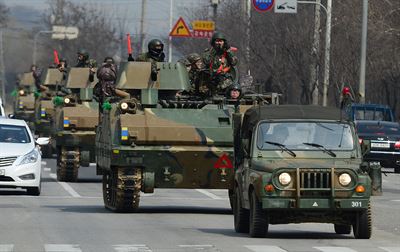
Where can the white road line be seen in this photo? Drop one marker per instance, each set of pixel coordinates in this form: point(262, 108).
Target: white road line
point(196, 246)
point(264, 248)
point(335, 249)
point(62, 248)
point(6, 247)
point(211, 195)
point(395, 200)
point(44, 163)
point(391, 249)
point(67, 187)
point(46, 169)
point(132, 248)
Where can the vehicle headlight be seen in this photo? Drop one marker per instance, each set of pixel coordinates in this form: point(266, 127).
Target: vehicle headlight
point(31, 157)
point(67, 101)
point(344, 179)
point(21, 92)
point(124, 105)
point(284, 178)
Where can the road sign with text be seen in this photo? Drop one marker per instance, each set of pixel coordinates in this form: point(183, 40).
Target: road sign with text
point(203, 25)
point(180, 29)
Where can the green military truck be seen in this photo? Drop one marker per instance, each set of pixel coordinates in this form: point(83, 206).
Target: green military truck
point(153, 138)
point(24, 106)
point(296, 164)
point(75, 120)
point(44, 107)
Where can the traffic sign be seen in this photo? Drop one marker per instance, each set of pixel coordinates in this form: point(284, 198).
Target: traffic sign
point(202, 34)
point(203, 25)
point(64, 32)
point(286, 6)
point(180, 29)
point(263, 5)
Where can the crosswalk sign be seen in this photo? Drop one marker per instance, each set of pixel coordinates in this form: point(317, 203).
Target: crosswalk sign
point(180, 29)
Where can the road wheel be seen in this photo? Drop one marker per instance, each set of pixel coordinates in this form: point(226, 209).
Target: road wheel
point(240, 215)
point(121, 189)
point(258, 218)
point(362, 227)
point(342, 229)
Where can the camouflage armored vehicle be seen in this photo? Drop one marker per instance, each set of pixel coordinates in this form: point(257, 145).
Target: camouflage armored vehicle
point(299, 164)
point(24, 106)
point(75, 120)
point(44, 108)
point(155, 139)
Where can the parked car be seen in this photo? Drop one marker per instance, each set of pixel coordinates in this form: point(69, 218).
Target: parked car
point(20, 158)
point(385, 142)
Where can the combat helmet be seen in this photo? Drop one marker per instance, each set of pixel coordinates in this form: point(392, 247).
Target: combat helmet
point(155, 47)
point(84, 53)
point(217, 35)
point(193, 57)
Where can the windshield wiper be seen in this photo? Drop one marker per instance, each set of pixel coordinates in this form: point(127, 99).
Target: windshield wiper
point(283, 147)
point(322, 148)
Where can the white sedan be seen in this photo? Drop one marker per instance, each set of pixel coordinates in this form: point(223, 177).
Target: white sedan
point(20, 158)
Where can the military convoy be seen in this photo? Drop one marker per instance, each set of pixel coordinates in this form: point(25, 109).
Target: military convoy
point(75, 119)
point(297, 164)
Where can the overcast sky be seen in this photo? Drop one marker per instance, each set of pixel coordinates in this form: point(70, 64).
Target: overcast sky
point(157, 18)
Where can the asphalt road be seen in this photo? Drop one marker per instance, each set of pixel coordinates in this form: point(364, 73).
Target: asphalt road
point(71, 217)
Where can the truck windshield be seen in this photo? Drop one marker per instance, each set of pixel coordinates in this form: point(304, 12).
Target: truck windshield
point(294, 135)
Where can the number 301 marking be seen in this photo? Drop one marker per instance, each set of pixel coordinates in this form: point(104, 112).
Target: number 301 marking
point(356, 204)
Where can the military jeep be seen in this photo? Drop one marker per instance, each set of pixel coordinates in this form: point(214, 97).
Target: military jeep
point(296, 164)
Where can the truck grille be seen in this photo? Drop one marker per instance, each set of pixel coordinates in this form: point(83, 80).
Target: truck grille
point(7, 161)
point(315, 182)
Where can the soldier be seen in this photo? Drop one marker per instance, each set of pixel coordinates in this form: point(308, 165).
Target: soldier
point(220, 60)
point(62, 67)
point(36, 73)
point(84, 61)
point(107, 76)
point(155, 54)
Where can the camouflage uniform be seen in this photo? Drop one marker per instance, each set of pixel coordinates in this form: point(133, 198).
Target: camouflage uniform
point(84, 61)
point(155, 54)
point(107, 76)
point(220, 62)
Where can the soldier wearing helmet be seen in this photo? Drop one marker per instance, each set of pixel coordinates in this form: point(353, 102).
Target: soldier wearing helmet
point(84, 61)
point(220, 60)
point(155, 52)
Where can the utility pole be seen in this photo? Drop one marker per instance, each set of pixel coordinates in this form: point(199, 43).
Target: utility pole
point(246, 7)
point(361, 88)
point(142, 36)
point(2, 68)
point(314, 85)
point(171, 6)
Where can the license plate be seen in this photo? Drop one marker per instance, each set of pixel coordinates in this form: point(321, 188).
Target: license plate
point(380, 145)
point(2, 172)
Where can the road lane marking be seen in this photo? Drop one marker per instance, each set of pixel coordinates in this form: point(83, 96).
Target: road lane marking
point(44, 163)
point(196, 246)
point(6, 247)
point(67, 187)
point(335, 249)
point(62, 248)
point(211, 195)
point(391, 249)
point(264, 248)
point(131, 248)
point(395, 200)
point(46, 169)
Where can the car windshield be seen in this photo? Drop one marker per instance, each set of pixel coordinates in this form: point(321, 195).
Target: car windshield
point(378, 129)
point(305, 135)
point(13, 134)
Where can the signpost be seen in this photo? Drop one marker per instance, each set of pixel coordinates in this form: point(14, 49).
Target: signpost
point(64, 32)
point(180, 29)
point(285, 6)
point(263, 5)
point(203, 28)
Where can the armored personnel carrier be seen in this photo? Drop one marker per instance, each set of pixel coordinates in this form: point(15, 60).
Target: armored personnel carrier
point(75, 120)
point(154, 138)
point(45, 109)
point(298, 164)
point(24, 106)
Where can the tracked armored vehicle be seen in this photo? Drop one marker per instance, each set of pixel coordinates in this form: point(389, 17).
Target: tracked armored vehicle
point(155, 139)
point(75, 120)
point(24, 106)
point(45, 108)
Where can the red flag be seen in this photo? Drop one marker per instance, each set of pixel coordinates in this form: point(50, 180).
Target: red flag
point(128, 42)
point(56, 60)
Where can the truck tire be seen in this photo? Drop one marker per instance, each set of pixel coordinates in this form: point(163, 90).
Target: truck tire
point(362, 227)
point(258, 218)
point(342, 229)
point(240, 215)
point(67, 164)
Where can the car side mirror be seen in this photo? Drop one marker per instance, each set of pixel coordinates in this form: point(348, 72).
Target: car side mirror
point(43, 141)
point(365, 147)
point(11, 116)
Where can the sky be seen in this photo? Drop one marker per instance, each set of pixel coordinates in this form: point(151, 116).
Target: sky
point(157, 18)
